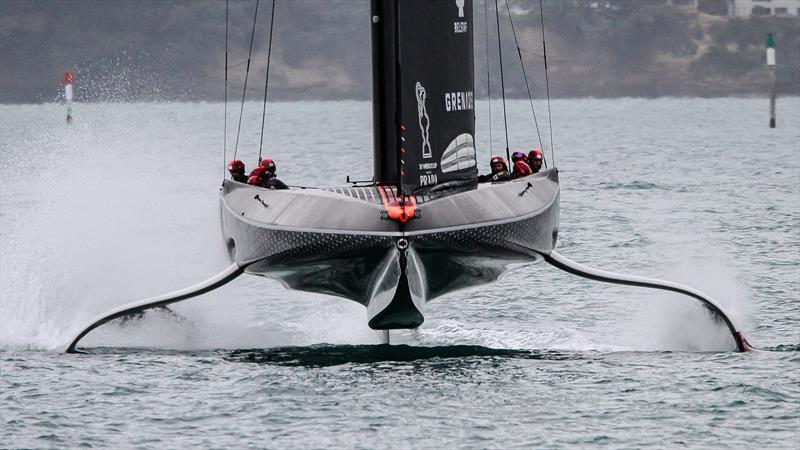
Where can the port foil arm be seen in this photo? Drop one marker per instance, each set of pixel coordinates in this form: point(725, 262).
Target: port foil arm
point(218, 280)
point(559, 261)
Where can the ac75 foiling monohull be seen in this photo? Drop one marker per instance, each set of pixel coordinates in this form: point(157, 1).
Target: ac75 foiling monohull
point(425, 227)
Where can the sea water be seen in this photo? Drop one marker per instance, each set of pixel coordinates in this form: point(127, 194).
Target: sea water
point(123, 204)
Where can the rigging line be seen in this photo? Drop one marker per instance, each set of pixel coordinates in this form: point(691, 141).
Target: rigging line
point(266, 80)
point(547, 87)
point(488, 71)
point(225, 101)
point(502, 83)
point(247, 72)
point(524, 75)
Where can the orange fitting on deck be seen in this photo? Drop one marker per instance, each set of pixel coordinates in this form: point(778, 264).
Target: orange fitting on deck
point(402, 209)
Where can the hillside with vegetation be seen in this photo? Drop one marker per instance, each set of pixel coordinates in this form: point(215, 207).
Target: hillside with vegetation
point(176, 50)
point(651, 48)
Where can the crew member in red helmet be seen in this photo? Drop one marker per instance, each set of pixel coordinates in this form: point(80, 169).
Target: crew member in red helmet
point(499, 170)
point(265, 175)
point(521, 169)
point(535, 159)
point(520, 162)
point(236, 168)
point(256, 177)
point(268, 165)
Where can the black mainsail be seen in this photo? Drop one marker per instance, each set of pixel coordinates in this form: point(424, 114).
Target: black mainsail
point(424, 110)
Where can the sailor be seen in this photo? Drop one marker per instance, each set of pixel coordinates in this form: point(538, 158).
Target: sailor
point(521, 169)
point(272, 182)
point(535, 158)
point(256, 177)
point(264, 176)
point(236, 168)
point(268, 165)
point(499, 170)
point(270, 178)
point(518, 156)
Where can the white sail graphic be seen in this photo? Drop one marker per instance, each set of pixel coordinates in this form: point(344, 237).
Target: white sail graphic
point(459, 154)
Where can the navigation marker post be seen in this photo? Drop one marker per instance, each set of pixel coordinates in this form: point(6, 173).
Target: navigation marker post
point(69, 78)
point(771, 69)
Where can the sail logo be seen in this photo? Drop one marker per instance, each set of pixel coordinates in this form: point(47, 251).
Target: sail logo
point(459, 154)
point(459, 101)
point(424, 120)
point(460, 26)
point(429, 179)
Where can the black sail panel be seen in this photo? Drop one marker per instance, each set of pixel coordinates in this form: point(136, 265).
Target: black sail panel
point(436, 93)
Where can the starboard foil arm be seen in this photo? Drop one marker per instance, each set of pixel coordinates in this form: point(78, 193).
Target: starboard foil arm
point(220, 279)
point(559, 261)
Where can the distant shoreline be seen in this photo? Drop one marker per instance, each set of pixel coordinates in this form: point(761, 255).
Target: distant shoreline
point(630, 48)
point(481, 99)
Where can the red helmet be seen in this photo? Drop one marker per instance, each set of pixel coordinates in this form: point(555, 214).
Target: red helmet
point(268, 165)
point(235, 166)
point(498, 159)
point(521, 169)
point(535, 155)
point(517, 156)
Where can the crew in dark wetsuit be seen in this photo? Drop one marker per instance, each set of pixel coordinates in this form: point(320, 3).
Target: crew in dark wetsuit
point(236, 168)
point(535, 158)
point(272, 182)
point(264, 176)
point(499, 171)
point(270, 176)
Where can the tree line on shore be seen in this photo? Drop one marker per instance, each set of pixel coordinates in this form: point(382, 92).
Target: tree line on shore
point(161, 51)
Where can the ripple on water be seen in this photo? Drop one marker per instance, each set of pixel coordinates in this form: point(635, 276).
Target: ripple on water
point(522, 363)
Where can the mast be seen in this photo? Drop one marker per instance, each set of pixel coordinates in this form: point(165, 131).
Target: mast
point(384, 91)
point(423, 93)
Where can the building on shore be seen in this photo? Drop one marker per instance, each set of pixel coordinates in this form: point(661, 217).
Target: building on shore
point(778, 8)
point(729, 8)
